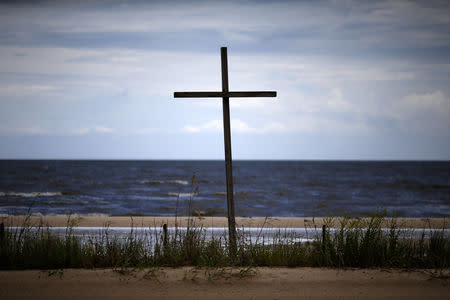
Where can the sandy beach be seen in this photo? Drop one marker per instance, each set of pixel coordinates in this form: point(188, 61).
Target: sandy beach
point(258, 283)
point(276, 222)
point(220, 283)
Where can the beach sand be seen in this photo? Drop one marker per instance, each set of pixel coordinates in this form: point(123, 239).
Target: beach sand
point(187, 282)
point(276, 222)
point(227, 283)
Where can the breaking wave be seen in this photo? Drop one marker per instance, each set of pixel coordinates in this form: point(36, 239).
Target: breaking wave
point(182, 195)
point(157, 182)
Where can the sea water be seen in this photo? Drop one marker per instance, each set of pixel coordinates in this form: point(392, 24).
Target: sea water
point(262, 188)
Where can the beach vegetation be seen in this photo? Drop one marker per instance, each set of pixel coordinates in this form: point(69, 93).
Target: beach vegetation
point(354, 243)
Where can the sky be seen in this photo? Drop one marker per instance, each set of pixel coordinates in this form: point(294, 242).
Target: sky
point(355, 80)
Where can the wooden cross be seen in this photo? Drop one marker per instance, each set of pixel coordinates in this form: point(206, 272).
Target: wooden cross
point(225, 94)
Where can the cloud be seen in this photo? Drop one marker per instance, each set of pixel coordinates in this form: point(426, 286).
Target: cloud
point(210, 126)
point(426, 112)
point(146, 130)
point(377, 27)
point(23, 130)
point(328, 125)
point(345, 68)
point(337, 103)
point(237, 126)
point(27, 90)
point(95, 129)
point(435, 103)
point(38, 130)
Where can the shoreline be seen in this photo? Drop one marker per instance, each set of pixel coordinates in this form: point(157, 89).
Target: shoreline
point(209, 222)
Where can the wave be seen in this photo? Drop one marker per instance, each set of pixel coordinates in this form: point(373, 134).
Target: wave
point(72, 216)
point(152, 182)
point(220, 194)
point(180, 182)
point(224, 194)
point(157, 182)
point(32, 194)
point(182, 195)
point(93, 215)
point(102, 202)
point(64, 202)
point(71, 193)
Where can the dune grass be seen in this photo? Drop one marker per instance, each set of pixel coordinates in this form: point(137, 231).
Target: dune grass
point(360, 243)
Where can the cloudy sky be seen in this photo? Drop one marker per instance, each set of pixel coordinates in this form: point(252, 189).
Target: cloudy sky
point(355, 80)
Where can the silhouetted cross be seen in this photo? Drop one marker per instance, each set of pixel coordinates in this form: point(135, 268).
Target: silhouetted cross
point(225, 94)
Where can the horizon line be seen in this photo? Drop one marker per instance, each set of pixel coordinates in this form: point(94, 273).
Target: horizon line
point(237, 159)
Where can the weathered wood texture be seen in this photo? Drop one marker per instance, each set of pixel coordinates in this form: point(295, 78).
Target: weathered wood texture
point(225, 94)
point(228, 163)
point(240, 94)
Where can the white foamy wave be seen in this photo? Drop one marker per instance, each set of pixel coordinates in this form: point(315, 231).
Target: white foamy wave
point(94, 215)
point(32, 194)
point(155, 182)
point(180, 182)
point(182, 195)
point(73, 216)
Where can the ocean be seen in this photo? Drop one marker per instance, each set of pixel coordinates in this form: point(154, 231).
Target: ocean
point(262, 188)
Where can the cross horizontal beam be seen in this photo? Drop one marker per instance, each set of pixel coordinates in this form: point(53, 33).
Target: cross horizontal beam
point(242, 94)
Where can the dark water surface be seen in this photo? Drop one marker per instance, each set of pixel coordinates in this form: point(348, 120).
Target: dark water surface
point(262, 188)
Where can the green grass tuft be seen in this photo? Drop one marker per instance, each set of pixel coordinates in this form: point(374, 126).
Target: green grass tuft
point(356, 243)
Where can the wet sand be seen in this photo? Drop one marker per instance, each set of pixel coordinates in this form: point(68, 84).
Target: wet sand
point(276, 222)
point(258, 283)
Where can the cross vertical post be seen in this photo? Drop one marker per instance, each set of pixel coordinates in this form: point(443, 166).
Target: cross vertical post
point(228, 161)
point(225, 94)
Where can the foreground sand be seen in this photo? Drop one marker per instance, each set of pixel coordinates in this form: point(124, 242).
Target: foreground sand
point(98, 221)
point(260, 283)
